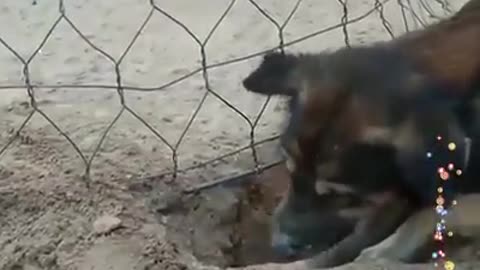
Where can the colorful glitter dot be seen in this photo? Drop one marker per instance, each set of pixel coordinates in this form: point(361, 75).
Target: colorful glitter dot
point(439, 138)
point(444, 175)
point(440, 200)
point(441, 170)
point(459, 172)
point(450, 166)
point(440, 189)
point(434, 255)
point(441, 253)
point(454, 202)
point(452, 146)
point(449, 265)
point(450, 234)
point(429, 155)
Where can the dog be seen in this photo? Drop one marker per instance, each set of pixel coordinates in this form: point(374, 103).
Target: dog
point(391, 97)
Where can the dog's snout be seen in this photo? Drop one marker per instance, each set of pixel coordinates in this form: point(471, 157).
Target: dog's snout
point(284, 246)
point(247, 83)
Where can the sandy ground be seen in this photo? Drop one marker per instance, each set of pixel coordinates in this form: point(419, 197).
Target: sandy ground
point(48, 214)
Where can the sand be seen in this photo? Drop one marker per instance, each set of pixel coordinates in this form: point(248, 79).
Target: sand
point(48, 211)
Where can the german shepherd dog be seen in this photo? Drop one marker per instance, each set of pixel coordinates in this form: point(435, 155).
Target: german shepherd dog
point(361, 122)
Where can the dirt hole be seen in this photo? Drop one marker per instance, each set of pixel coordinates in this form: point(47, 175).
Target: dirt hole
point(227, 225)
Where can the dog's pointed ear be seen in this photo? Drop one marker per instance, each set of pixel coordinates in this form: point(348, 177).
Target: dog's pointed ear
point(275, 76)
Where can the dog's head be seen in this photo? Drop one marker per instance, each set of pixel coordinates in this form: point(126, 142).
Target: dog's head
point(274, 76)
point(363, 107)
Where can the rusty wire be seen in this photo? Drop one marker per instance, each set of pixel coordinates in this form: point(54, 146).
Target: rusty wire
point(120, 87)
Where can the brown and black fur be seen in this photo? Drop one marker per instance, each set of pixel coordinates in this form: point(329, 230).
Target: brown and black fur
point(387, 100)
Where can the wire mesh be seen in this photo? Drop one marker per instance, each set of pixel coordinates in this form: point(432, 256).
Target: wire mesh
point(406, 7)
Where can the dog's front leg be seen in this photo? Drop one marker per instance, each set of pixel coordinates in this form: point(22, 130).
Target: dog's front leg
point(381, 223)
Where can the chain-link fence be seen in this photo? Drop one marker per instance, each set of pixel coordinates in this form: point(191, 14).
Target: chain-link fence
point(411, 14)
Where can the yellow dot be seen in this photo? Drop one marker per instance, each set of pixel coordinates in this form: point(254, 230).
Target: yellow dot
point(451, 146)
point(449, 265)
point(459, 172)
point(440, 190)
point(450, 234)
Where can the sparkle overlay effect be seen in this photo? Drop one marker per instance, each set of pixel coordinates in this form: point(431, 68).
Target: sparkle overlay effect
point(445, 173)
